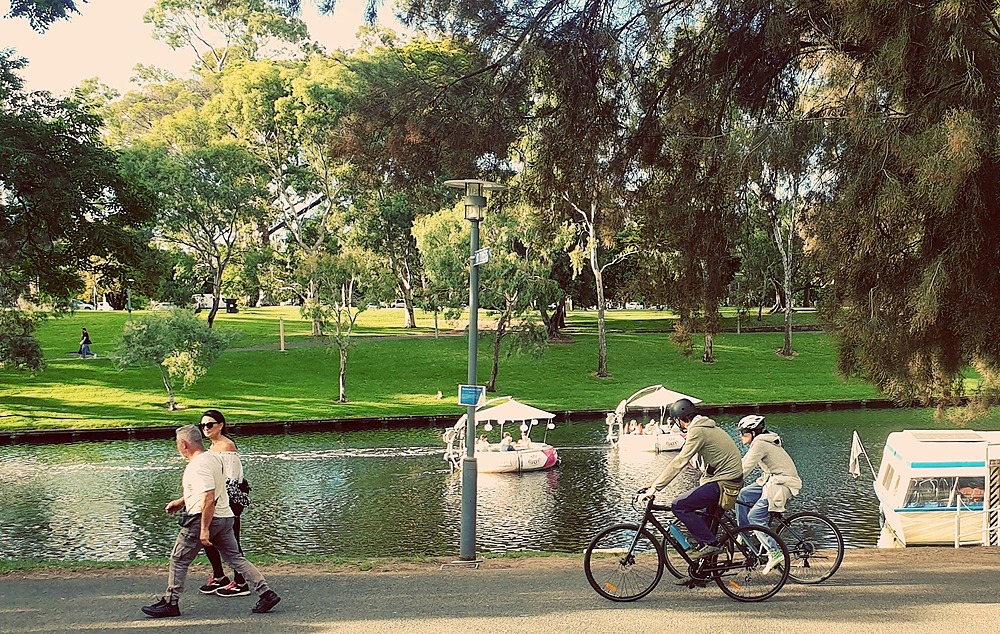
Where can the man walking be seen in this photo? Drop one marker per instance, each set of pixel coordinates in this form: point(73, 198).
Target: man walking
point(206, 520)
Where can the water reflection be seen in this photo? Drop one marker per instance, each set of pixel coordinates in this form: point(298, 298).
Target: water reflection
point(387, 493)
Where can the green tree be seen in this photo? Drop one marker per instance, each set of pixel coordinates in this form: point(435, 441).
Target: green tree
point(41, 14)
point(178, 343)
point(346, 282)
point(18, 347)
point(513, 283)
point(417, 114)
point(208, 197)
point(224, 33)
point(64, 204)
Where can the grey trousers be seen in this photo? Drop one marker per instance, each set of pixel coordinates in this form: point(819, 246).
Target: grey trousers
point(188, 544)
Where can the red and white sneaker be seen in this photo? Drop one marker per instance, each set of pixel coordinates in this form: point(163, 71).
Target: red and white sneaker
point(214, 583)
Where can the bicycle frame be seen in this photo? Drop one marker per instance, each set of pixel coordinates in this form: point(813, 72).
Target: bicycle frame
point(701, 569)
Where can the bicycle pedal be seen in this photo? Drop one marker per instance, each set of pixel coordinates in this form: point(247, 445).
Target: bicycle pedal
point(697, 583)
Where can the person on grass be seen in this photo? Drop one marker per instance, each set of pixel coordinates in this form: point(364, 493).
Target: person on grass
point(206, 504)
point(778, 483)
point(718, 459)
point(213, 425)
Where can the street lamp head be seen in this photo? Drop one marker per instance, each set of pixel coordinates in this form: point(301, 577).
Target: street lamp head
point(475, 198)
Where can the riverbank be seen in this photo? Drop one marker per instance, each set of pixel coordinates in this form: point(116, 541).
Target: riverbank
point(875, 591)
point(54, 436)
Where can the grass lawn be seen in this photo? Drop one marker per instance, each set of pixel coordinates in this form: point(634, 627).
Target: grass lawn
point(393, 372)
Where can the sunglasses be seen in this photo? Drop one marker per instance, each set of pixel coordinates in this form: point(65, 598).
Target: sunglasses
point(208, 425)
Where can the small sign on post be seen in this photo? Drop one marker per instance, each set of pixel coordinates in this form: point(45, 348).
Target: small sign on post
point(482, 257)
point(471, 395)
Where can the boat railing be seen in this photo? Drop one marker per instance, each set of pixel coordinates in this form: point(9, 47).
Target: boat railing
point(975, 536)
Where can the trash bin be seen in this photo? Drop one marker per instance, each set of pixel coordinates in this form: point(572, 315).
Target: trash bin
point(231, 306)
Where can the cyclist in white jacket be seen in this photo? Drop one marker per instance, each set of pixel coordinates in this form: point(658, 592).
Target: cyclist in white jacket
point(778, 482)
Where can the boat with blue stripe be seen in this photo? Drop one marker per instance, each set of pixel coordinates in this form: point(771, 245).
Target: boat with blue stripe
point(938, 487)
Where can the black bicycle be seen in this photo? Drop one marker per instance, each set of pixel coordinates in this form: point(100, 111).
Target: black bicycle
point(624, 562)
point(815, 545)
point(814, 542)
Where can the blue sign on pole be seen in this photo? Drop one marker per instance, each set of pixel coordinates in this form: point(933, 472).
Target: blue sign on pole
point(471, 395)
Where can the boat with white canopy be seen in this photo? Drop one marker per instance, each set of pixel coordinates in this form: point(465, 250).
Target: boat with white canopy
point(504, 456)
point(936, 487)
point(659, 434)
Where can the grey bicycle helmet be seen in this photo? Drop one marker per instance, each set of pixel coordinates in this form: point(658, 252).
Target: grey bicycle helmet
point(753, 424)
point(683, 409)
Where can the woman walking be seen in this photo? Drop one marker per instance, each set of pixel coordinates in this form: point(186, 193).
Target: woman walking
point(85, 344)
point(213, 425)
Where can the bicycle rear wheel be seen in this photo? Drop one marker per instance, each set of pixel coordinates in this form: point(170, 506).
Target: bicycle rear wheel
point(815, 545)
point(618, 571)
point(742, 564)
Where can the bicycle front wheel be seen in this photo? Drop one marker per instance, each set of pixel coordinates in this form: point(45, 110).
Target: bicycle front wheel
point(742, 570)
point(622, 563)
point(814, 544)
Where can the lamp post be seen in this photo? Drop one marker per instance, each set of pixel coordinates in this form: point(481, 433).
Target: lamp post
point(128, 297)
point(475, 204)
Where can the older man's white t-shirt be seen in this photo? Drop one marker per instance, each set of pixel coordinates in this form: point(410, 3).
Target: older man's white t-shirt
point(204, 473)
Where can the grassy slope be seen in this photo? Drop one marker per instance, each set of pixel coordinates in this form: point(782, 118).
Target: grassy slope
point(393, 376)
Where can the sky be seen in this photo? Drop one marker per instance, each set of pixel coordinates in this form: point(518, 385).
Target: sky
point(108, 37)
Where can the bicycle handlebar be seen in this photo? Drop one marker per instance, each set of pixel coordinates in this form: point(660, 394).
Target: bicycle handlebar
point(650, 504)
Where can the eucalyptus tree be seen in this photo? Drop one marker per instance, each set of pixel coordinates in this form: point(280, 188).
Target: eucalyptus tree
point(582, 62)
point(137, 114)
point(288, 115)
point(782, 178)
point(221, 33)
point(208, 194)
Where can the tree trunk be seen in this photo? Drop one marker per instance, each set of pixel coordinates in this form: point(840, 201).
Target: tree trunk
point(785, 248)
point(317, 324)
point(501, 332)
point(171, 403)
point(602, 335)
point(343, 374)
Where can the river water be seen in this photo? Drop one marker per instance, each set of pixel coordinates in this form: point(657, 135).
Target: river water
point(390, 493)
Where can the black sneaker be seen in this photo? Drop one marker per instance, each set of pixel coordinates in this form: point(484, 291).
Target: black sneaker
point(267, 601)
point(161, 609)
point(214, 583)
point(234, 590)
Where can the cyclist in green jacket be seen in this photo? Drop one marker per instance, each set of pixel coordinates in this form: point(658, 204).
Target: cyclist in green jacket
point(719, 461)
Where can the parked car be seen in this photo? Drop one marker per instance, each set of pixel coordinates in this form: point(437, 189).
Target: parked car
point(104, 306)
point(162, 305)
point(76, 304)
point(633, 306)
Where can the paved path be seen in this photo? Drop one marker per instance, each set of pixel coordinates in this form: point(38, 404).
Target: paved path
point(936, 590)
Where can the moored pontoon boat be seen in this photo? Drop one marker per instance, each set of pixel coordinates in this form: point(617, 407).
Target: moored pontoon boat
point(935, 487)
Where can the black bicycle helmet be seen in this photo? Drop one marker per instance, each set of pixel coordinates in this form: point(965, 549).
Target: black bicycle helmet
point(683, 409)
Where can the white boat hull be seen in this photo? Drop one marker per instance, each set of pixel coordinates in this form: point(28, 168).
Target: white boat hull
point(537, 458)
point(919, 527)
point(650, 442)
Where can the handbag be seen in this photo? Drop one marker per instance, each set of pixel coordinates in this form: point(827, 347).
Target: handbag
point(239, 493)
